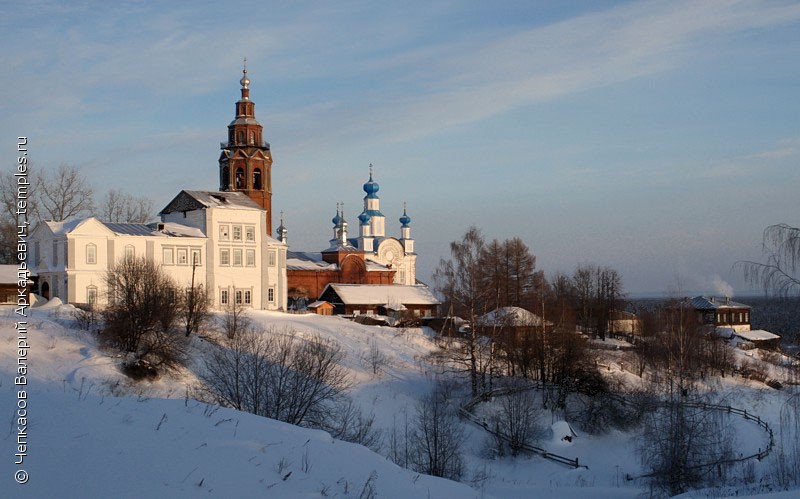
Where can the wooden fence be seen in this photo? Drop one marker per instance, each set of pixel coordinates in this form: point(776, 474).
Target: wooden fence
point(466, 412)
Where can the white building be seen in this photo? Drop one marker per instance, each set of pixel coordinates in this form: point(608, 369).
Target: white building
point(396, 254)
point(221, 235)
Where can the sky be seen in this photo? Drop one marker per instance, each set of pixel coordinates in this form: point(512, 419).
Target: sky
point(658, 138)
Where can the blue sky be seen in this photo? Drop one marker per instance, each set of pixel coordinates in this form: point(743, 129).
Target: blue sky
point(658, 138)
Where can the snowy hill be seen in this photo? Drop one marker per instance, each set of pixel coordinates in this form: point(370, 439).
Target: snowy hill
point(90, 446)
point(94, 433)
point(84, 442)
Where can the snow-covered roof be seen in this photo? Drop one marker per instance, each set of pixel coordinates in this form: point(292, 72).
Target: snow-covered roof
point(64, 227)
point(175, 229)
point(510, 316)
point(301, 260)
point(10, 274)
point(757, 335)
point(713, 303)
point(298, 260)
point(318, 303)
point(383, 294)
point(725, 332)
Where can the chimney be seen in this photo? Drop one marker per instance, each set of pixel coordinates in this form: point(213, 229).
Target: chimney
point(712, 299)
point(160, 226)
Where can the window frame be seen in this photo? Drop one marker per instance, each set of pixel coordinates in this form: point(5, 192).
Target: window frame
point(91, 254)
point(171, 253)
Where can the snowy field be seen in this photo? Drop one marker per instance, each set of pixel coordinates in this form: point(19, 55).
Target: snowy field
point(94, 433)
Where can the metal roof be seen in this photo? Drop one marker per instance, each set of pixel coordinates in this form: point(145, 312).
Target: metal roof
point(713, 303)
point(129, 229)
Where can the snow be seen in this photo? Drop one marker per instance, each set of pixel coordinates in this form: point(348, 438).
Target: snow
point(511, 316)
point(757, 335)
point(94, 433)
point(9, 274)
point(382, 294)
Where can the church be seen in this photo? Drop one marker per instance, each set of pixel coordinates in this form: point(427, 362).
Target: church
point(223, 239)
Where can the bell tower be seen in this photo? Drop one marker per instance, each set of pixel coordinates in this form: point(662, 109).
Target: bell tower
point(245, 164)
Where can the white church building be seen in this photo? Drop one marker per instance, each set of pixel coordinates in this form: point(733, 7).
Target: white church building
point(221, 237)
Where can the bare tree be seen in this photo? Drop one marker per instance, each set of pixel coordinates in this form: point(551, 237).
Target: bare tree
point(195, 306)
point(780, 273)
point(278, 375)
point(375, 359)
point(121, 207)
point(142, 312)
point(436, 438)
point(460, 280)
point(12, 190)
point(235, 319)
point(64, 193)
point(684, 446)
point(519, 420)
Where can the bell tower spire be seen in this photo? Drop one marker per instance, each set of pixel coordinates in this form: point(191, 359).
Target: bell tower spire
point(245, 164)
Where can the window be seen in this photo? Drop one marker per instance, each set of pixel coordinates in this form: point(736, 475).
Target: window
point(91, 295)
point(271, 258)
point(55, 256)
point(224, 257)
point(91, 254)
point(196, 257)
point(247, 297)
point(183, 256)
point(130, 253)
point(223, 232)
point(271, 295)
point(257, 179)
point(237, 258)
point(250, 234)
point(252, 138)
point(223, 296)
point(250, 258)
point(240, 178)
point(237, 232)
point(747, 316)
point(169, 256)
point(238, 296)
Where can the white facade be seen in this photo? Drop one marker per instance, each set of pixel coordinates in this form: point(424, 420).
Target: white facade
point(221, 235)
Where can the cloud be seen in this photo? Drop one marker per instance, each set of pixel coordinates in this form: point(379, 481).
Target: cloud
point(469, 79)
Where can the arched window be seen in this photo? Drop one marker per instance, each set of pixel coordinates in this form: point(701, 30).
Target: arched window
point(257, 179)
point(240, 178)
point(91, 254)
point(241, 137)
point(130, 253)
point(252, 138)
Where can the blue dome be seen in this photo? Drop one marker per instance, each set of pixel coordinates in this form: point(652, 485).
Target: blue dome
point(364, 218)
point(371, 187)
point(405, 219)
point(337, 219)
